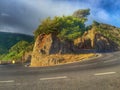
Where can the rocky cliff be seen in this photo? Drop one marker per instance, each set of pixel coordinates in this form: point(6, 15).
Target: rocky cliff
point(48, 49)
point(93, 39)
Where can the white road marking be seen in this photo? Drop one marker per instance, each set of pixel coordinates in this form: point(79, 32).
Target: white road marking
point(61, 77)
point(8, 81)
point(106, 73)
point(18, 83)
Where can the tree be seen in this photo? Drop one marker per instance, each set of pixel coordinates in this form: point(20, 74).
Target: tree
point(71, 27)
point(65, 27)
point(48, 26)
point(95, 23)
point(81, 13)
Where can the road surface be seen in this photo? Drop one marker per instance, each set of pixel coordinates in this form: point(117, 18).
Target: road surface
point(102, 73)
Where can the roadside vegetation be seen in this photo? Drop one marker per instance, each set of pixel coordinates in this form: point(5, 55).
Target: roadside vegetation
point(17, 51)
point(13, 45)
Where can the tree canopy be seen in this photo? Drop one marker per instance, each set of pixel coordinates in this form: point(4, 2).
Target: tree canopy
point(81, 13)
point(66, 27)
point(71, 27)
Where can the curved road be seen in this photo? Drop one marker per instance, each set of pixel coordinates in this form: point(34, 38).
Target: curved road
point(102, 73)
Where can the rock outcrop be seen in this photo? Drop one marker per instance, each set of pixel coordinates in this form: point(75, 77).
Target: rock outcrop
point(103, 44)
point(47, 45)
point(95, 40)
point(51, 44)
point(48, 49)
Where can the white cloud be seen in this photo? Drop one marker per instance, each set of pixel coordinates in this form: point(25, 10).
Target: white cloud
point(51, 8)
point(33, 11)
point(47, 8)
point(103, 15)
point(4, 14)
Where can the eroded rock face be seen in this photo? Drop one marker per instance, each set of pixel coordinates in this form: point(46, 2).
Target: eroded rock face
point(42, 45)
point(86, 41)
point(95, 40)
point(102, 43)
point(50, 44)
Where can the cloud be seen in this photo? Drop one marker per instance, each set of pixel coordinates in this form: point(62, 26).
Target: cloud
point(25, 15)
point(4, 14)
point(101, 15)
point(52, 8)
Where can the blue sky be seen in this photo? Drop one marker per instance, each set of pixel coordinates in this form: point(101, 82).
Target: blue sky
point(24, 16)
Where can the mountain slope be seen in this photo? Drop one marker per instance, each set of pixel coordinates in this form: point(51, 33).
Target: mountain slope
point(7, 40)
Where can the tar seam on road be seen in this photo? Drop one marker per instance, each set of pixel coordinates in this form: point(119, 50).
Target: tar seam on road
point(106, 73)
point(8, 81)
point(61, 77)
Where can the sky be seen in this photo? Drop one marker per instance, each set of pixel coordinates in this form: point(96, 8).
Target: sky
point(24, 16)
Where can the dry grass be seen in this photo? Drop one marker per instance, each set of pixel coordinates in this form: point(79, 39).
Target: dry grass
point(73, 58)
point(57, 59)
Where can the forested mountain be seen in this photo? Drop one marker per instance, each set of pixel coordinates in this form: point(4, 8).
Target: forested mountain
point(7, 40)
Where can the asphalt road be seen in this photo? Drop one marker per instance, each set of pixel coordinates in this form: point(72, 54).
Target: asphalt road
point(102, 73)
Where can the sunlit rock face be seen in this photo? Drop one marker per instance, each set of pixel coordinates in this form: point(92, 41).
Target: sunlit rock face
point(51, 44)
point(95, 40)
point(102, 43)
point(46, 45)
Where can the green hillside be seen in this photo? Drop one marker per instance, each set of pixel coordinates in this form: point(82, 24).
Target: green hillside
point(7, 40)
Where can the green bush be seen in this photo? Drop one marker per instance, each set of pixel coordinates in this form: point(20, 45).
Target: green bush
point(65, 27)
